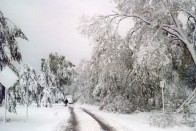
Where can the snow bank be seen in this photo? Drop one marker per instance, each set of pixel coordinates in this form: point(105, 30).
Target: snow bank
point(57, 117)
point(130, 122)
point(40, 119)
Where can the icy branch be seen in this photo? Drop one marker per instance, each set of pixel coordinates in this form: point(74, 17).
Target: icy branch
point(132, 15)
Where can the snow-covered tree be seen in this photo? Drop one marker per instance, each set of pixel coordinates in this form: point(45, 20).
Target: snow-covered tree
point(27, 85)
point(159, 46)
point(86, 80)
point(2, 91)
point(9, 50)
point(41, 82)
point(47, 80)
point(171, 22)
point(64, 72)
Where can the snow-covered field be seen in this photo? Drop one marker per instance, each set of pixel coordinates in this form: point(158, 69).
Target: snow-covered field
point(58, 117)
point(40, 119)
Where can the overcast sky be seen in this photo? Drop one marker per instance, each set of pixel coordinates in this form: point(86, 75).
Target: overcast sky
point(51, 26)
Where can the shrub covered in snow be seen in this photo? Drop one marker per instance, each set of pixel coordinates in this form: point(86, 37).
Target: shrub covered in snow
point(47, 97)
point(188, 119)
point(117, 103)
point(163, 120)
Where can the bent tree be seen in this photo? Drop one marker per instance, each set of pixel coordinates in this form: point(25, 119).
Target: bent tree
point(161, 16)
point(9, 51)
point(171, 22)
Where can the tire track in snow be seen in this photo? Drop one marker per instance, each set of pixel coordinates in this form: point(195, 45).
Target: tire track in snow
point(72, 121)
point(103, 125)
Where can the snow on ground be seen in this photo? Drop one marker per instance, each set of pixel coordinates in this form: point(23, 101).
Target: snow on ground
point(58, 117)
point(131, 122)
point(40, 119)
point(86, 122)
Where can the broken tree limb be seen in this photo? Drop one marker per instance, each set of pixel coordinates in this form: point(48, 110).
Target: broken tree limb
point(188, 100)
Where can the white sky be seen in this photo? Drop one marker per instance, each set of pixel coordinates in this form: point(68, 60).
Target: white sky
point(51, 26)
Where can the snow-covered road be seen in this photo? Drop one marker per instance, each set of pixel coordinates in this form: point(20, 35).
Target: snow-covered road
point(90, 118)
point(112, 122)
point(79, 118)
point(102, 124)
point(87, 121)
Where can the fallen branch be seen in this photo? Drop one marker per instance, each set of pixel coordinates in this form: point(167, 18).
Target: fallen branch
point(188, 100)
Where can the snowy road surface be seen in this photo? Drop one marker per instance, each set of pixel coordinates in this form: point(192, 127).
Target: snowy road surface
point(103, 125)
point(78, 118)
point(72, 123)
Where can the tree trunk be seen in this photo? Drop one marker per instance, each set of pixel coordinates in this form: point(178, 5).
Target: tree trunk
point(38, 100)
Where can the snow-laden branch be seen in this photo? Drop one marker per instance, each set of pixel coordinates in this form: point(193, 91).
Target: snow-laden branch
point(176, 31)
point(131, 15)
point(171, 31)
point(190, 15)
point(187, 101)
point(194, 35)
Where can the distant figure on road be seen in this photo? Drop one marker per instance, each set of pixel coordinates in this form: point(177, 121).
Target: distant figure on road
point(65, 101)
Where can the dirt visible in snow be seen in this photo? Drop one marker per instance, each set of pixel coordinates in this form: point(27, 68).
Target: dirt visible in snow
point(72, 123)
point(103, 125)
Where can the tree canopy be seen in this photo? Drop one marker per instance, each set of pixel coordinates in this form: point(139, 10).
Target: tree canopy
point(160, 46)
point(9, 49)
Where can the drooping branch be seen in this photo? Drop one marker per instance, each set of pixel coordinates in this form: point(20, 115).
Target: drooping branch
point(118, 23)
point(194, 35)
point(170, 29)
point(172, 32)
point(194, 25)
point(134, 16)
point(191, 15)
point(131, 32)
point(141, 18)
